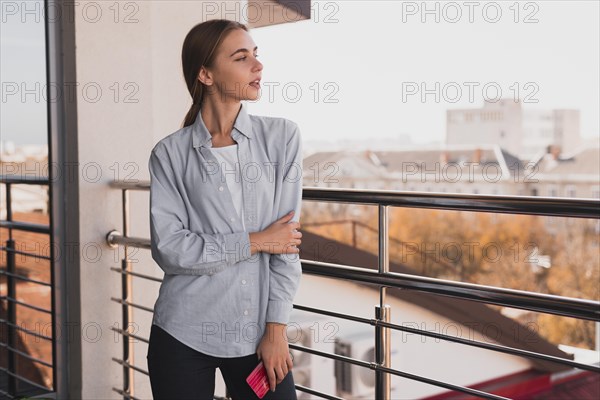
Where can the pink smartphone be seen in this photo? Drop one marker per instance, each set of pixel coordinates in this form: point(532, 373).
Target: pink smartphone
point(258, 380)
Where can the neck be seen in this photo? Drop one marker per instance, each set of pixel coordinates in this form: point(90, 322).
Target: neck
point(219, 118)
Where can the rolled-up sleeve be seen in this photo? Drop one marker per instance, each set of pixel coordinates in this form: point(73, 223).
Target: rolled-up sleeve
point(286, 269)
point(175, 248)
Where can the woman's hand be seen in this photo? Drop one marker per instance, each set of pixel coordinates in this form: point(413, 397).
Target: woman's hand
point(273, 350)
point(281, 237)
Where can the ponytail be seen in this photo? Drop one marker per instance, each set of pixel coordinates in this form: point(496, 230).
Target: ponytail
point(191, 114)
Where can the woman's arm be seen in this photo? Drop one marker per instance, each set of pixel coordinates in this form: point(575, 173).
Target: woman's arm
point(176, 249)
point(285, 272)
point(285, 268)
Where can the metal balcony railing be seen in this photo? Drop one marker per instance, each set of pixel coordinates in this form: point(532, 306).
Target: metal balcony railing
point(10, 325)
point(543, 303)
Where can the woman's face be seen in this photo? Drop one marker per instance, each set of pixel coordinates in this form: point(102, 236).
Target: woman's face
point(236, 68)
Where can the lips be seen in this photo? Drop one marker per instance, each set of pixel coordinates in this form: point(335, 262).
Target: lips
point(255, 83)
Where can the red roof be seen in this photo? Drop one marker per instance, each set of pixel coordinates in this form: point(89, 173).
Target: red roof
point(536, 385)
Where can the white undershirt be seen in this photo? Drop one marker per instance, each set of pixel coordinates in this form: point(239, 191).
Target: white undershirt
point(229, 162)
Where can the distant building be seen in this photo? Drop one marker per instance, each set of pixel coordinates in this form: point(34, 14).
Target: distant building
point(477, 169)
point(348, 169)
point(456, 169)
point(10, 153)
point(556, 174)
point(29, 161)
point(523, 132)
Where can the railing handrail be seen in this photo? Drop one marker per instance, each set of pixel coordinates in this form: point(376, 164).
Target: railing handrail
point(495, 203)
point(24, 179)
point(532, 301)
point(25, 226)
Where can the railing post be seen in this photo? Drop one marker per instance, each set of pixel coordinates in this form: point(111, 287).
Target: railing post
point(12, 316)
point(383, 354)
point(127, 310)
point(11, 294)
point(382, 312)
point(126, 320)
point(598, 336)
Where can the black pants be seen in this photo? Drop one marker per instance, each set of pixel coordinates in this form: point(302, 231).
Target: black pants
point(180, 372)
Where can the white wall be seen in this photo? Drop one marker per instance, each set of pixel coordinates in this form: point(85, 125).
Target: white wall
point(147, 54)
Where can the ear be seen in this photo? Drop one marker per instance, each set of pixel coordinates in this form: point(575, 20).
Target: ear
point(205, 76)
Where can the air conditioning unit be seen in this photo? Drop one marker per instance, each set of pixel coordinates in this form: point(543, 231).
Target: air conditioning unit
point(310, 370)
point(354, 381)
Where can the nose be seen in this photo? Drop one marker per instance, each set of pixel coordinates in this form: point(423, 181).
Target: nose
point(258, 65)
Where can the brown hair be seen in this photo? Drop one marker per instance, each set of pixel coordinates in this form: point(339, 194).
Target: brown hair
point(199, 50)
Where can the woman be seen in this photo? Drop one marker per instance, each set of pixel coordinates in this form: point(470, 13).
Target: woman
point(225, 199)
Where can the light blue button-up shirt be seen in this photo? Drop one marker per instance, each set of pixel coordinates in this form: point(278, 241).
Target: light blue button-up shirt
point(215, 296)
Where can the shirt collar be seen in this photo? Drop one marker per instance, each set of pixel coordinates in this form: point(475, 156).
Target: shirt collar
point(242, 123)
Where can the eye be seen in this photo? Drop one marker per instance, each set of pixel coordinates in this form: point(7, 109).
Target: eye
point(243, 58)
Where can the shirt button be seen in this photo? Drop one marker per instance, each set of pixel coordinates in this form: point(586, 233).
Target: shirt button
point(232, 219)
point(245, 312)
point(248, 185)
point(243, 281)
point(220, 188)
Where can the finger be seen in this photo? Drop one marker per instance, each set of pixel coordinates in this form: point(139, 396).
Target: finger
point(271, 376)
point(289, 362)
point(284, 367)
point(287, 216)
point(280, 374)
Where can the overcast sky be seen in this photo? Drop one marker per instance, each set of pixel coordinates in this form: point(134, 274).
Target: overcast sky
point(367, 55)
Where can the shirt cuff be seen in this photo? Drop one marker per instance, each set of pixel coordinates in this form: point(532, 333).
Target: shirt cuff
point(279, 311)
point(237, 247)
